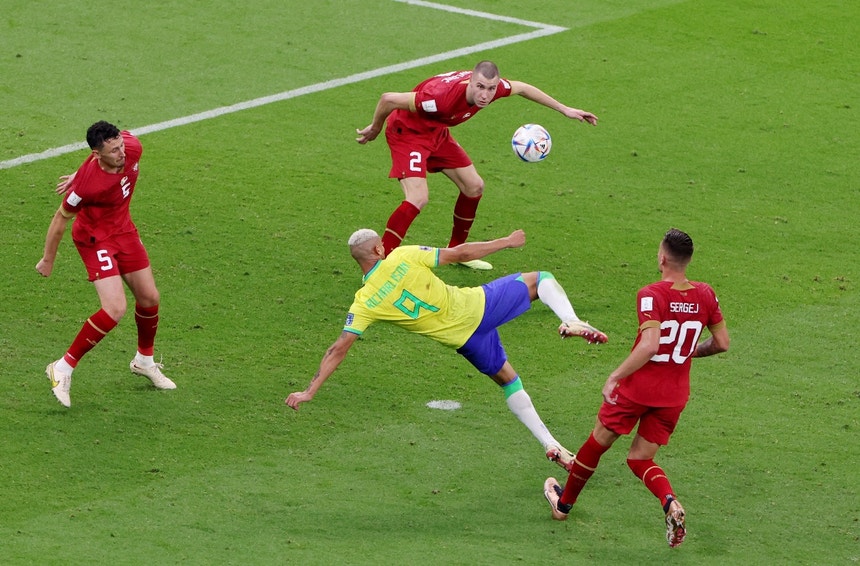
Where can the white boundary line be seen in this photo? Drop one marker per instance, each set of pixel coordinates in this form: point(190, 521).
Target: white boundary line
point(541, 30)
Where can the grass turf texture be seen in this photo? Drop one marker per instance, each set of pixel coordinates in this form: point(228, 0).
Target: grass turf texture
point(736, 121)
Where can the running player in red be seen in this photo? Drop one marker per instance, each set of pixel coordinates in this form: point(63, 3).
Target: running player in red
point(420, 142)
point(97, 197)
point(651, 387)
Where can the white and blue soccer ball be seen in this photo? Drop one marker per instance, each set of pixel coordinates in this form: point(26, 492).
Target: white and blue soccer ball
point(531, 143)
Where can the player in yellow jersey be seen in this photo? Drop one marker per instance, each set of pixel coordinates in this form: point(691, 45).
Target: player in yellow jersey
point(403, 290)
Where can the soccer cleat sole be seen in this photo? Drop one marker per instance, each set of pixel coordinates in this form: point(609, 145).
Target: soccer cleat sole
point(561, 456)
point(552, 493)
point(582, 330)
point(676, 526)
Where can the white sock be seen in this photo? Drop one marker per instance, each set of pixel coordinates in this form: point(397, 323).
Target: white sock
point(63, 366)
point(552, 295)
point(521, 405)
point(143, 361)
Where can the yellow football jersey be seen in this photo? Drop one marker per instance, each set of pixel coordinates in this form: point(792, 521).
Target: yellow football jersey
point(403, 290)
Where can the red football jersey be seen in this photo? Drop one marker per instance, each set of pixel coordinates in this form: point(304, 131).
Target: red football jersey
point(683, 312)
point(440, 102)
point(101, 199)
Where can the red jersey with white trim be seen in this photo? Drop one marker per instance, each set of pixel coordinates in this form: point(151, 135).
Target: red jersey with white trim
point(101, 199)
point(681, 312)
point(440, 102)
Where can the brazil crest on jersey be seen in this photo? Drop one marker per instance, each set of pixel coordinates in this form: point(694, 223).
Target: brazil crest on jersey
point(403, 290)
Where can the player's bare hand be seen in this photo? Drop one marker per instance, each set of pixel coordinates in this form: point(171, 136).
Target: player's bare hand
point(45, 267)
point(609, 394)
point(368, 134)
point(295, 399)
point(65, 184)
point(581, 115)
point(517, 239)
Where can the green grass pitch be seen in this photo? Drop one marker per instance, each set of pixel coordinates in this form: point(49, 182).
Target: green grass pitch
point(734, 120)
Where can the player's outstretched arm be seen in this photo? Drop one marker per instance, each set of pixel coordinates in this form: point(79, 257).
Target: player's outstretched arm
point(331, 360)
point(477, 250)
point(388, 103)
point(535, 94)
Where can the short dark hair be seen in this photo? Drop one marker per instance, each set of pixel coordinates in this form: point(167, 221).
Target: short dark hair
point(679, 245)
point(100, 132)
point(487, 69)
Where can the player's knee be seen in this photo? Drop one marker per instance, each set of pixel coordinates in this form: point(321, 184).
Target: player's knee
point(148, 299)
point(531, 279)
point(474, 188)
point(116, 310)
point(419, 201)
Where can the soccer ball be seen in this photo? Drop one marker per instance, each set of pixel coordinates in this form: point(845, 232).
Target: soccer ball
point(531, 143)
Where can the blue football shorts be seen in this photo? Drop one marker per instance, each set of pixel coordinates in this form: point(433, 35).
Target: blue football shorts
point(505, 299)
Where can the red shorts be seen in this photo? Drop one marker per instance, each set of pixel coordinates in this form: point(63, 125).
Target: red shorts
point(414, 154)
point(117, 255)
point(656, 424)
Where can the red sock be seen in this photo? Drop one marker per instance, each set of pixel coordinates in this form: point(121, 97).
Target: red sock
point(653, 477)
point(94, 329)
point(398, 224)
point(147, 325)
point(587, 458)
point(464, 216)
